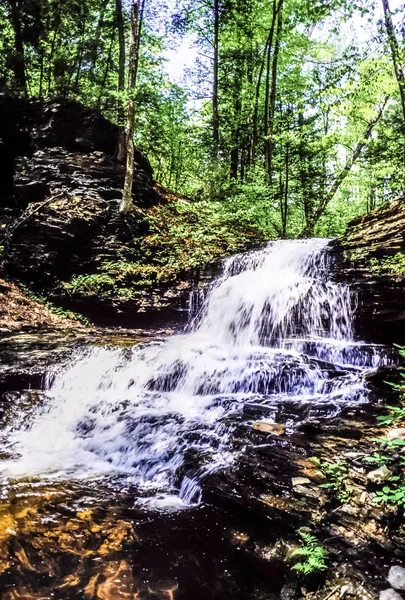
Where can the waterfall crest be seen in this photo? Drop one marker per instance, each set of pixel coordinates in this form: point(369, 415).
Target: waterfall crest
point(273, 328)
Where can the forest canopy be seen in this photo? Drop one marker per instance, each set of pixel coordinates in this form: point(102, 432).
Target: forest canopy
point(289, 119)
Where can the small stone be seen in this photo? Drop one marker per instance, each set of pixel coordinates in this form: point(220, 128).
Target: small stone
point(363, 498)
point(300, 481)
point(379, 475)
point(396, 434)
point(266, 427)
point(390, 594)
point(348, 590)
point(396, 577)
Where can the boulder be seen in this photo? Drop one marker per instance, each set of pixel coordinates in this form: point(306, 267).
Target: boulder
point(396, 577)
point(390, 594)
point(379, 475)
point(396, 434)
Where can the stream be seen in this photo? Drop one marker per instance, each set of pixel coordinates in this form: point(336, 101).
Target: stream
point(103, 469)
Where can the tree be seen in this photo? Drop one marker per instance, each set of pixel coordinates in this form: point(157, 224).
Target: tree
point(395, 53)
point(121, 151)
point(127, 204)
point(308, 230)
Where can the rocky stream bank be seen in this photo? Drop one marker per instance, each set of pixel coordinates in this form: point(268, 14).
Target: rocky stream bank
point(301, 469)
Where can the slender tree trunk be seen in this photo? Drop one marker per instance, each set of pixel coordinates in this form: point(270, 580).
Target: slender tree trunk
point(306, 189)
point(41, 73)
point(272, 99)
point(50, 59)
point(81, 49)
point(215, 110)
point(396, 58)
point(267, 61)
point(106, 70)
point(284, 197)
point(308, 230)
point(236, 132)
point(121, 151)
point(97, 36)
point(20, 72)
point(127, 204)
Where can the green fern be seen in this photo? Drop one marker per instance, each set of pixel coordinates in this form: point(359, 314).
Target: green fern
point(311, 555)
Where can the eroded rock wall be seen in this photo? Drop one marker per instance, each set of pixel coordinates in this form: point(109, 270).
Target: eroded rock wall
point(371, 258)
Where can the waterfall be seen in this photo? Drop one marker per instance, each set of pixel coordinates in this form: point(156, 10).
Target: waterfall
point(273, 328)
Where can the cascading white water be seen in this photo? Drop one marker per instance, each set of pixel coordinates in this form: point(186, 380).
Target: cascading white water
point(273, 328)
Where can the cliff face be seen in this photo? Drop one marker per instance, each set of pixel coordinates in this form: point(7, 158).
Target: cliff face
point(371, 258)
point(60, 191)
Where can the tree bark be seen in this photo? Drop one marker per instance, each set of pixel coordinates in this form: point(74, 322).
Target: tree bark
point(396, 58)
point(215, 110)
point(127, 204)
point(121, 151)
point(308, 230)
point(272, 100)
point(20, 72)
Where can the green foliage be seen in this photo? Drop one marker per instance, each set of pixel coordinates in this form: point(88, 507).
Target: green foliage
point(96, 284)
point(336, 475)
point(393, 496)
point(393, 492)
point(396, 413)
point(390, 265)
point(313, 116)
point(57, 310)
point(311, 556)
point(378, 459)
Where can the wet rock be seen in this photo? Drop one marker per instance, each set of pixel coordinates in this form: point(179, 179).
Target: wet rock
point(266, 427)
point(396, 434)
point(300, 481)
point(377, 236)
point(379, 475)
point(348, 590)
point(396, 577)
point(390, 594)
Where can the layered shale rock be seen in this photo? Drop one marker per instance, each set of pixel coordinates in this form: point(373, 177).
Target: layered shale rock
point(371, 258)
point(60, 192)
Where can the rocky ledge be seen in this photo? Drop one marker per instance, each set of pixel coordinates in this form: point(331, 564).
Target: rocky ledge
point(62, 234)
point(371, 259)
point(316, 471)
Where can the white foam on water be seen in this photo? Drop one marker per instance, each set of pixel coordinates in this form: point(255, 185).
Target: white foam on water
point(273, 326)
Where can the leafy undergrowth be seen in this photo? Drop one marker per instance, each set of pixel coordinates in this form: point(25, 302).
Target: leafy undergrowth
point(389, 265)
point(21, 309)
point(183, 235)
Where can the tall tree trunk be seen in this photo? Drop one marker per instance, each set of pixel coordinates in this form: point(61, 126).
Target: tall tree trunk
point(306, 189)
point(20, 72)
point(126, 204)
point(80, 52)
point(396, 58)
point(272, 100)
point(97, 36)
point(284, 189)
point(215, 111)
point(106, 70)
point(256, 103)
point(236, 125)
point(308, 230)
point(121, 151)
